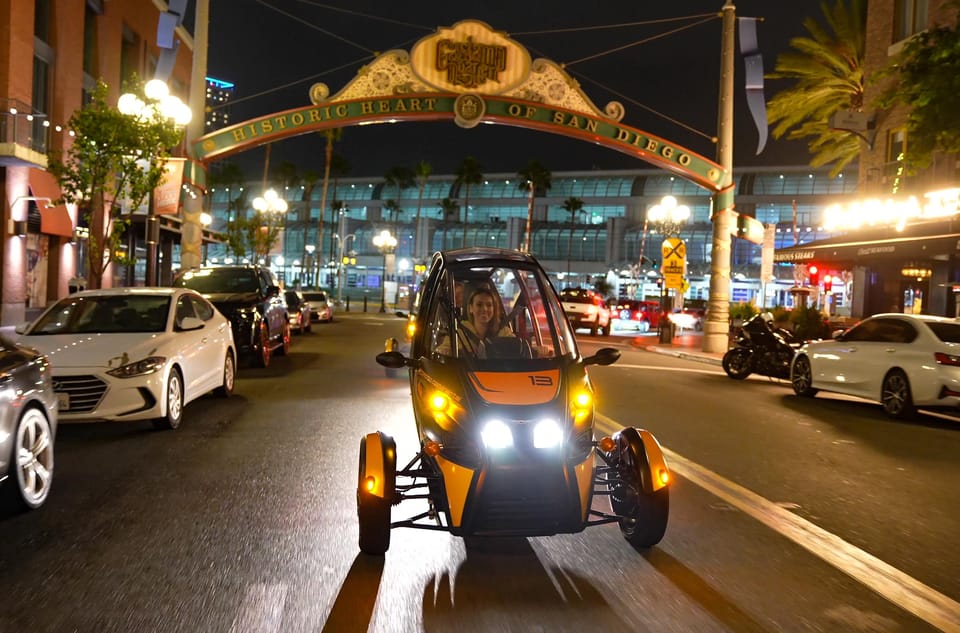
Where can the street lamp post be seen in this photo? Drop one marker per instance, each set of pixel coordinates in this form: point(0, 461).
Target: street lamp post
point(308, 263)
point(273, 206)
point(668, 217)
point(341, 246)
point(166, 106)
point(385, 243)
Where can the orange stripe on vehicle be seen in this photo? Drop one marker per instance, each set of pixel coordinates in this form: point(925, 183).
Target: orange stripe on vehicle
point(456, 481)
point(519, 387)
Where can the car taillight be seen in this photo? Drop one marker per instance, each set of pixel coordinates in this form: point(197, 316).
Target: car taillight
point(947, 359)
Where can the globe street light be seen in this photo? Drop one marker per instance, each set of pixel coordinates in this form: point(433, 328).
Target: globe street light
point(271, 204)
point(669, 215)
point(164, 106)
point(385, 243)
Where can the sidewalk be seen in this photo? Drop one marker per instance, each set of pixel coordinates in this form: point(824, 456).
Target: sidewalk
point(686, 345)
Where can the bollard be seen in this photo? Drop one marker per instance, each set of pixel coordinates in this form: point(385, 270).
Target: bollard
point(364, 304)
point(348, 304)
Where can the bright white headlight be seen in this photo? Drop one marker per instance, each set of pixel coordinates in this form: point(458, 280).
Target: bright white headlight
point(497, 435)
point(547, 434)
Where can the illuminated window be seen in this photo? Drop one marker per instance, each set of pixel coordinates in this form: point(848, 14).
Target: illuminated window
point(910, 18)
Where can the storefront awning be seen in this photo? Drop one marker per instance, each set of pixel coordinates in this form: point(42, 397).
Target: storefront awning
point(53, 220)
point(923, 241)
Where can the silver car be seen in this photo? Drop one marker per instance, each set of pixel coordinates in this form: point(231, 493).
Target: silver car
point(321, 307)
point(28, 425)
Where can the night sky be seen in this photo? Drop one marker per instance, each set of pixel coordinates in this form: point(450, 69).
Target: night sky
point(275, 50)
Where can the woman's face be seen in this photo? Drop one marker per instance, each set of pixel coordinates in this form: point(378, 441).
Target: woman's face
point(482, 309)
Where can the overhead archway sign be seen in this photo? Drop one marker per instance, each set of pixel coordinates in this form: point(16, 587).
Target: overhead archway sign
point(468, 74)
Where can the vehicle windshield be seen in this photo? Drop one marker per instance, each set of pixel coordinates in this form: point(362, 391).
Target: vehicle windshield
point(104, 315)
point(315, 296)
point(219, 280)
point(485, 312)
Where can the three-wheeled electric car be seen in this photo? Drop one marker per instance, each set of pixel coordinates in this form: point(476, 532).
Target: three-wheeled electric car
point(504, 410)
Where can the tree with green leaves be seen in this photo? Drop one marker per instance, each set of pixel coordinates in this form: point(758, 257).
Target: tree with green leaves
point(925, 77)
point(468, 173)
point(826, 74)
point(536, 180)
point(422, 171)
point(114, 158)
point(573, 206)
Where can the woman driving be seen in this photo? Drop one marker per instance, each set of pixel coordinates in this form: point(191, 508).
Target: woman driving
point(483, 324)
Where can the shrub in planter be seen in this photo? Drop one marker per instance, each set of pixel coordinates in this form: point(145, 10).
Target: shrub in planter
point(740, 312)
point(809, 323)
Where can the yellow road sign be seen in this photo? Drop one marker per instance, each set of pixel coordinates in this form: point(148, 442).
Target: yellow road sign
point(674, 262)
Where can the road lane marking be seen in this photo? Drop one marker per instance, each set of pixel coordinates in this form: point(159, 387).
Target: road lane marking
point(686, 370)
point(906, 592)
point(261, 610)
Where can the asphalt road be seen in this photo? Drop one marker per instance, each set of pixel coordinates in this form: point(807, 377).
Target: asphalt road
point(786, 515)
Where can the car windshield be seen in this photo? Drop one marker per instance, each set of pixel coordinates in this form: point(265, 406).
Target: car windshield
point(315, 296)
point(484, 312)
point(107, 314)
point(219, 280)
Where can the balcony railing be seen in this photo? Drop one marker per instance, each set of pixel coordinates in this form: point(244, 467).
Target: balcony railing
point(24, 133)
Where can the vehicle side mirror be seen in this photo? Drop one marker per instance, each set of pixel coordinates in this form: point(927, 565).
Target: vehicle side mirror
point(22, 328)
point(838, 335)
point(187, 324)
point(395, 360)
point(604, 356)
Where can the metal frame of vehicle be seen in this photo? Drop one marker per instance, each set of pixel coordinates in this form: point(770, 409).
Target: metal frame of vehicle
point(477, 483)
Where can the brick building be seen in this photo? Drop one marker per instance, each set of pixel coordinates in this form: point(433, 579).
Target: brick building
point(52, 52)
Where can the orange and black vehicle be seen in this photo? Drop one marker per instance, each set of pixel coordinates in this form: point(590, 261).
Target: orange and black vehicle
point(504, 409)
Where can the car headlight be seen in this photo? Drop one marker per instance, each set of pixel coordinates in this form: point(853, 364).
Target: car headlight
point(497, 435)
point(140, 368)
point(547, 434)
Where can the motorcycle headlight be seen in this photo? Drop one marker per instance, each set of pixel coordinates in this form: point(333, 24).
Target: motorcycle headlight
point(547, 434)
point(140, 368)
point(497, 435)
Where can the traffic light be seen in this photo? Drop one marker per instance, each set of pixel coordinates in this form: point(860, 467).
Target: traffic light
point(813, 274)
point(827, 283)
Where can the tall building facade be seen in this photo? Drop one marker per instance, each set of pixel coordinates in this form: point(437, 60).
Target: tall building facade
point(217, 104)
point(52, 54)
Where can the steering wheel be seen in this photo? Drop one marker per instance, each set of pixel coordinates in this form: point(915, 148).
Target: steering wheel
point(508, 347)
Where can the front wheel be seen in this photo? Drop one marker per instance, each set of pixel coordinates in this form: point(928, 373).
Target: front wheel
point(174, 403)
point(896, 397)
point(737, 362)
point(225, 390)
point(376, 484)
point(30, 461)
point(262, 351)
point(284, 348)
point(643, 514)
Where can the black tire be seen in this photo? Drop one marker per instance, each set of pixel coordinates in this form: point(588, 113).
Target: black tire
point(173, 403)
point(896, 397)
point(606, 330)
point(801, 377)
point(284, 348)
point(373, 514)
point(644, 515)
point(593, 330)
point(738, 363)
point(225, 390)
point(30, 467)
point(262, 352)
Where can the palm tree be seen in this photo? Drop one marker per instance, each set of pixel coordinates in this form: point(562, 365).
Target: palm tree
point(339, 167)
point(333, 135)
point(536, 180)
point(448, 208)
point(573, 206)
point(827, 69)
point(422, 171)
point(468, 173)
point(400, 177)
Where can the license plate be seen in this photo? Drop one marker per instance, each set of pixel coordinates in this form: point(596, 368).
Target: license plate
point(63, 400)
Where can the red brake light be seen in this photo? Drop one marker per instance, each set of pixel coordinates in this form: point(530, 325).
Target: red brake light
point(947, 359)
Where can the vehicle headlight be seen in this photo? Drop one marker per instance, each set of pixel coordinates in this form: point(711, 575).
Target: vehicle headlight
point(547, 434)
point(496, 435)
point(141, 367)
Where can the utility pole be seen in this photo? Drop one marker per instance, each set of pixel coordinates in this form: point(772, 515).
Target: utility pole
point(717, 326)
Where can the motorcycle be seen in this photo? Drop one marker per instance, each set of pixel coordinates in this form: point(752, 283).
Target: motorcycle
point(760, 348)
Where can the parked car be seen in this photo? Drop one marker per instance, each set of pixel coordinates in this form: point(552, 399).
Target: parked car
point(902, 361)
point(321, 307)
point(134, 353)
point(298, 311)
point(586, 308)
point(250, 297)
point(28, 425)
point(638, 315)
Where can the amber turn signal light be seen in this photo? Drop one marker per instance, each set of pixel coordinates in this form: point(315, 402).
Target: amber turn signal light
point(432, 448)
point(664, 477)
point(607, 444)
point(370, 483)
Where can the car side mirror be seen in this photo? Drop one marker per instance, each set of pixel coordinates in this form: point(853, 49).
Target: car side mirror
point(22, 328)
point(188, 324)
point(604, 356)
point(395, 360)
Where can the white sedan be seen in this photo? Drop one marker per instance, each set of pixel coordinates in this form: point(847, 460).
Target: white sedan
point(134, 353)
point(902, 361)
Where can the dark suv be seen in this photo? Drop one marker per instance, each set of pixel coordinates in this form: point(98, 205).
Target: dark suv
point(250, 298)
